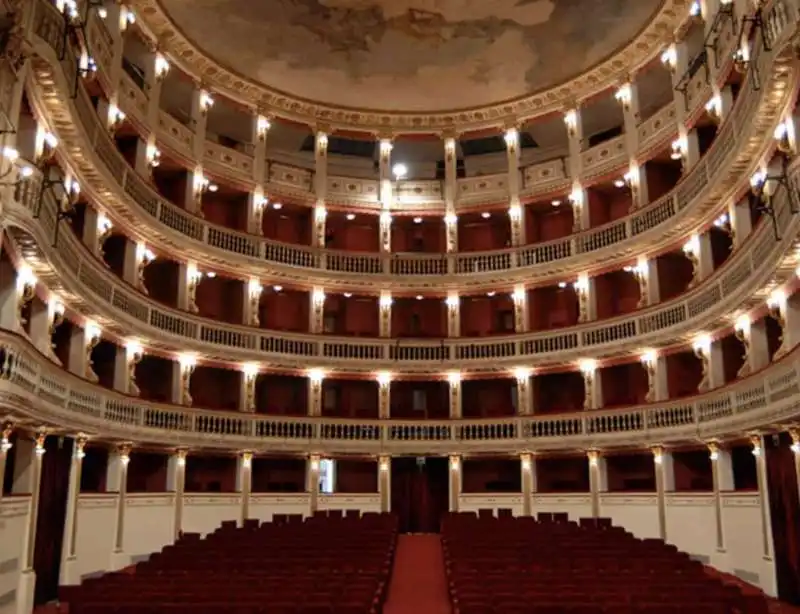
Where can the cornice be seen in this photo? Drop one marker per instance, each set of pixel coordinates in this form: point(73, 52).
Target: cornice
point(34, 390)
point(643, 49)
point(89, 288)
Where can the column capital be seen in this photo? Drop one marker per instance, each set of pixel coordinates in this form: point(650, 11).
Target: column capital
point(593, 455)
point(794, 433)
point(247, 457)
point(181, 454)
point(81, 439)
point(449, 133)
point(124, 450)
point(323, 128)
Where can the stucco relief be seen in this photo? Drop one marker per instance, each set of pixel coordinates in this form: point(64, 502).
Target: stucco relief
point(410, 55)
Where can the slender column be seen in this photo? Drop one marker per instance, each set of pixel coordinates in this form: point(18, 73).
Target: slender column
point(185, 368)
point(202, 101)
point(35, 470)
point(757, 442)
point(176, 482)
point(39, 326)
point(755, 343)
point(577, 198)
point(453, 303)
point(95, 224)
point(312, 482)
point(665, 482)
point(628, 97)
point(641, 273)
point(317, 311)
point(454, 398)
point(81, 344)
point(137, 259)
point(247, 391)
point(15, 293)
point(522, 376)
point(385, 314)
point(315, 377)
point(385, 482)
point(713, 368)
point(586, 292)
point(117, 481)
point(450, 193)
point(320, 185)
point(252, 300)
point(598, 479)
point(384, 395)
point(794, 433)
point(5, 447)
point(69, 574)
point(655, 366)
point(516, 212)
point(256, 201)
point(647, 275)
point(528, 470)
point(455, 482)
point(786, 312)
point(722, 478)
point(592, 385)
point(155, 73)
point(244, 475)
point(740, 220)
point(188, 278)
point(117, 21)
point(520, 297)
point(386, 193)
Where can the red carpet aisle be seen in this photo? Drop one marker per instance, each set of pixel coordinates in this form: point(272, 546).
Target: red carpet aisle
point(418, 584)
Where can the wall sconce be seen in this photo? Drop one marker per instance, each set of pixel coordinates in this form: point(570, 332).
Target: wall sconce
point(384, 464)
point(452, 301)
point(658, 455)
point(26, 289)
point(180, 457)
point(202, 185)
point(455, 463)
point(263, 125)
point(741, 327)
point(587, 368)
point(594, 457)
point(104, 229)
point(92, 336)
point(713, 450)
point(515, 212)
point(115, 118)
point(144, 256)
point(511, 138)
point(193, 278)
point(161, 67)
point(250, 371)
point(451, 219)
point(247, 460)
point(695, 10)
point(525, 461)
point(5, 438)
point(449, 149)
point(714, 108)
point(522, 374)
point(133, 356)
point(741, 58)
point(702, 345)
point(318, 297)
point(71, 195)
point(755, 441)
point(56, 315)
point(254, 290)
point(385, 300)
point(776, 302)
point(126, 18)
point(384, 378)
point(188, 363)
point(385, 149)
point(321, 144)
point(678, 147)
point(519, 295)
point(794, 433)
point(669, 58)
point(316, 376)
point(45, 144)
point(454, 378)
point(39, 448)
point(313, 462)
point(785, 136)
point(691, 250)
point(649, 360)
point(206, 102)
point(723, 222)
point(571, 121)
point(153, 156)
point(624, 96)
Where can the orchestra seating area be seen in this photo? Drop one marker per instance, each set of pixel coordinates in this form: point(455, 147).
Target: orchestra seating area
point(324, 565)
point(549, 565)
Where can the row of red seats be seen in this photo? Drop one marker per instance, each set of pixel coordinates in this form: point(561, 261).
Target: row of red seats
point(509, 566)
point(323, 565)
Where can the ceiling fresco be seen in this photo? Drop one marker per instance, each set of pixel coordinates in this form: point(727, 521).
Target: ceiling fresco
point(410, 55)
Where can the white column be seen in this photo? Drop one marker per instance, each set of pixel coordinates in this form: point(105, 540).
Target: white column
point(455, 482)
point(244, 475)
point(785, 310)
point(252, 300)
point(528, 471)
point(133, 256)
point(116, 23)
point(713, 368)
point(385, 314)
point(385, 482)
point(69, 573)
point(39, 326)
point(521, 319)
point(522, 376)
point(454, 396)
point(320, 185)
point(757, 442)
point(598, 479)
point(453, 303)
point(176, 483)
point(202, 101)
point(81, 344)
point(312, 482)
point(384, 395)
point(676, 57)
point(188, 278)
point(450, 193)
point(586, 292)
point(186, 365)
point(117, 481)
point(256, 201)
point(574, 124)
point(516, 212)
point(655, 365)
point(722, 478)
point(753, 336)
point(317, 312)
point(155, 73)
point(628, 97)
point(646, 272)
point(665, 482)
point(592, 384)
point(247, 387)
point(15, 293)
point(740, 220)
point(315, 378)
point(27, 579)
point(5, 447)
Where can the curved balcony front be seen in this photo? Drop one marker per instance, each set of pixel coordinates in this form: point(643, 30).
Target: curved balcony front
point(743, 139)
point(92, 290)
point(35, 390)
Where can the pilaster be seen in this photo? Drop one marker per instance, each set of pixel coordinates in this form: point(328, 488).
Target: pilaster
point(455, 482)
point(757, 441)
point(385, 314)
point(117, 481)
point(598, 479)
point(176, 482)
point(592, 385)
point(722, 478)
point(453, 303)
point(244, 474)
point(385, 482)
point(317, 311)
point(741, 221)
point(665, 482)
point(655, 365)
point(315, 377)
point(248, 379)
point(522, 376)
point(312, 482)
point(450, 192)
point(251, 303)
point(516, 212)
point(454, 395)
point(528, 478)
point(125, 363)
point(521, 319)
point(69, 573)
point(384, 395)
point(81, 345)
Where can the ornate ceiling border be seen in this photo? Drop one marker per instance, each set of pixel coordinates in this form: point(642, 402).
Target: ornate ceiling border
point(166, 35)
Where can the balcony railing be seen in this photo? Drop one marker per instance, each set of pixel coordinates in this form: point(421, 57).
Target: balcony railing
point(658, 225)
point(92, 289)
point(34, 389)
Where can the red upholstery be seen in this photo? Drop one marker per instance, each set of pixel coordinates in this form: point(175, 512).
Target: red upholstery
point(325, 565)
point(553, 566)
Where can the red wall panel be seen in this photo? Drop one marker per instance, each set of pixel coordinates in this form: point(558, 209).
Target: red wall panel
point(171, 184)
point(486, 315)
point(562, 474)
point(226, 210)
point(286, 310)
point(147, 472)
point(434, 400)
point(154, 378)
point(733, 355)
point(491, 475)
point(674, 274)
point(489, 398)
point(557, 392)
point(631, 472)
point(289, 225)
point(349, 398)
point(215, 388)
point(354, 315)
point(161, 281)
point(684, 372)
point(477, 235)
point(624, 384)
point(356, 476)
point(552, 307)
point(282, 395)
point(361, 234)
point(721, 246)
point(617, 294)
point(428, 236)
point(210, 474)
point(661, 177)
point(692, 471)
point(607, 205)
point(278, 475)
point(220, 298)
point(419, 318)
